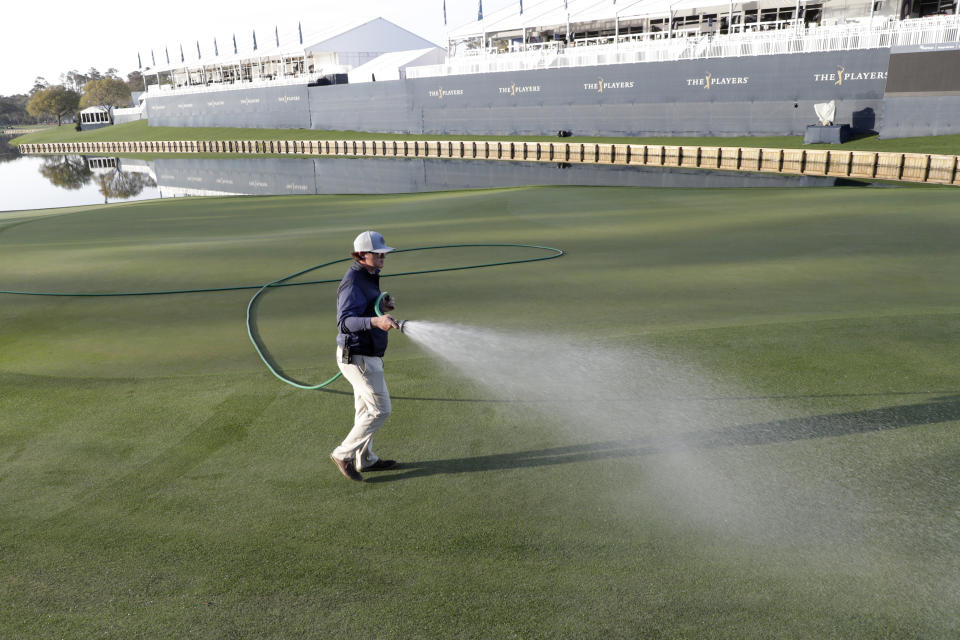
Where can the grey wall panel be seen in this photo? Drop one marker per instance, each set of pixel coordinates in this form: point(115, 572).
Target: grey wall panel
point(923, 93)
point(272, 107)
point(121, 118)
point(252, 176)
point(810, 76)
point(370, 175)
point(729, 96)
point(928, 71)
point(905, 117)
point(459, 174)
point(291, 176)
point(374, 106)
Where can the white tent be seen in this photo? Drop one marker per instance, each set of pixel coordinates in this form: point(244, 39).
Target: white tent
point(356, 42)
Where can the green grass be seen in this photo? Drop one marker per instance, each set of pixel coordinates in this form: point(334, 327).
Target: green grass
point(134, 131)
point(156, 481)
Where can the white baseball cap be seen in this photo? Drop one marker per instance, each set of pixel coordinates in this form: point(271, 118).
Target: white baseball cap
point(371, 241)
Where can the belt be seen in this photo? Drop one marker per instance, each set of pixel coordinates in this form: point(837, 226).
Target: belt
point(349, 356)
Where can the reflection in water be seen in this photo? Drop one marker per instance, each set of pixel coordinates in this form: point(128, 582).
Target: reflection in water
point(114, 182)
point(283, 176)
point(80, 180)
point(66, 172)
point(121, 185)
point(7, 151)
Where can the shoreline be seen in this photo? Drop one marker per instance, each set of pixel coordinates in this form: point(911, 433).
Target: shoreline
point(140, 131)
point(866, 165)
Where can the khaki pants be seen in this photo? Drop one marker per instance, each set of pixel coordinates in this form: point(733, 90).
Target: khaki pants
point(372, 402)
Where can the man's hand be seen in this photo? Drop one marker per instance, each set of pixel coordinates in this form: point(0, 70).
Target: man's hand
point(384, 322)
point(389, 303)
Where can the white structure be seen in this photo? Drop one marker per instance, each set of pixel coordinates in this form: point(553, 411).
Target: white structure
point(687, 43)
point(95, 117)
point(318, 57)
point(136, 112)
point(588, 22)
point(393, 66)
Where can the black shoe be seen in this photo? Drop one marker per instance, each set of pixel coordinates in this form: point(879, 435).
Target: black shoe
point(347, 469)
point(381, 465)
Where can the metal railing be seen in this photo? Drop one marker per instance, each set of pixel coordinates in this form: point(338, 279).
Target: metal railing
point(863, 34)
point(154, 90)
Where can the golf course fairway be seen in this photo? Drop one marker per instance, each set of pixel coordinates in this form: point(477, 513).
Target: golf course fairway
point(799, 477)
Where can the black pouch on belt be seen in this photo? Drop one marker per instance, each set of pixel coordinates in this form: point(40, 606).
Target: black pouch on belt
point(345, 355)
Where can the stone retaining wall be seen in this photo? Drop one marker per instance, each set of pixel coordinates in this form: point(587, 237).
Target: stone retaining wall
point(867, 165)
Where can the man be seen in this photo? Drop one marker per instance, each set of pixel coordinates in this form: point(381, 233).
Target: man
point(361, 343)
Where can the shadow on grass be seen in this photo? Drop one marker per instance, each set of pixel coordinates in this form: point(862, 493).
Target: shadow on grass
point(938, 410)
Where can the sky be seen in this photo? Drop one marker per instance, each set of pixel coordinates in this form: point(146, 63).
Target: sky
point(50, 38)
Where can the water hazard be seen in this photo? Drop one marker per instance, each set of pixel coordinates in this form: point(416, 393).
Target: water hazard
point(34, 182)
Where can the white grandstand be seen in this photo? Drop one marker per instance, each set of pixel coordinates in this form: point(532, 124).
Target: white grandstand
point(569, 33)
point(322, 57)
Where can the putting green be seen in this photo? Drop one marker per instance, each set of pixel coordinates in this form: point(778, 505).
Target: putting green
point(157, 481)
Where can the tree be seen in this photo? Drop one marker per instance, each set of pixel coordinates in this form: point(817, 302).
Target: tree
point(56, 102)
point(39, 83)
point(105, 92)
point(13, 109)
point(136, 81)
point(69, 172)
point(74, 80)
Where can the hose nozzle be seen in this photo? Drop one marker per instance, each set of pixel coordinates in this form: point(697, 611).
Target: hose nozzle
point(400, 325)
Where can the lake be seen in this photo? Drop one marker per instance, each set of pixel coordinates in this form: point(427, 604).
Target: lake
point(38, 182)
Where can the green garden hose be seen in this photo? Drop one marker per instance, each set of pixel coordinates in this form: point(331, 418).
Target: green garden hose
point(274, 367)
point(284, 282)
point(376, 305)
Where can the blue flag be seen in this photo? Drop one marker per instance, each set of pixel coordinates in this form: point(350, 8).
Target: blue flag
point(216, 49)
point(444, 11)
point(182, 59)
point(198, 50)
point(521, 7)
point(153, 59)
point(480, 10)
point(167, 51)
point(254, 39)
point(139, 64)
point(300, 30)
point(234, 44)
point(276, 32)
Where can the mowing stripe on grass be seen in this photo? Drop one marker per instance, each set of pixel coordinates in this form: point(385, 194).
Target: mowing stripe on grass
point(283, 282)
